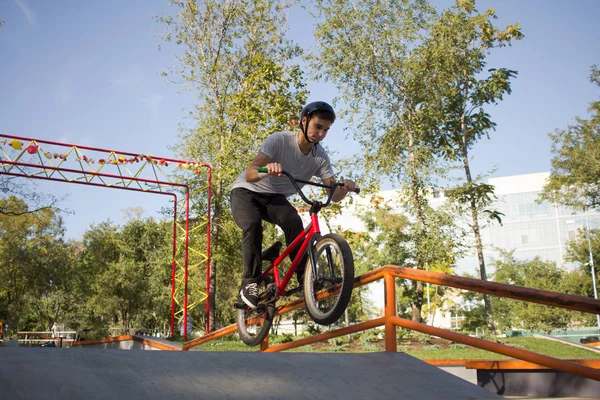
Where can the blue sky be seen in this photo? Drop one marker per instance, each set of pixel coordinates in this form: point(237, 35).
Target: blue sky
point(88, 73)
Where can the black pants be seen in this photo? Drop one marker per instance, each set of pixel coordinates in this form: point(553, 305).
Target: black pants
point(249, 209)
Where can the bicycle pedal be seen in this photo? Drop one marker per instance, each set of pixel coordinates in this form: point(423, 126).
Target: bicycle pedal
point(240, 305)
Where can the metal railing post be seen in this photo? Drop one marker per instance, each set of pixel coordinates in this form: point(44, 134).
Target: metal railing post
point(390, 311)
point(264, 345)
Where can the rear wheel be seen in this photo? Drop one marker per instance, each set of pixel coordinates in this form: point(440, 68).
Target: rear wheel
point(328, 284)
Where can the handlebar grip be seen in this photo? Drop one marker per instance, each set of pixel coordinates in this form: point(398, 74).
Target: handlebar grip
point(263, 169)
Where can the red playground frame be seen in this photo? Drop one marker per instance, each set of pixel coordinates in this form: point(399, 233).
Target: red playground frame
point(25, 157)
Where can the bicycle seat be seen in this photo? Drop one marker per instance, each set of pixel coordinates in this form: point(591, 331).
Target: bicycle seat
point(272, 252)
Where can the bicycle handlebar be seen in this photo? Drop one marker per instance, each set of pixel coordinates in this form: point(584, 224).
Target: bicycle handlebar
point(295, 183)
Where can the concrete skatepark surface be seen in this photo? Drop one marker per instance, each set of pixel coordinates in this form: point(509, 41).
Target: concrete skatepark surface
point(76, 373)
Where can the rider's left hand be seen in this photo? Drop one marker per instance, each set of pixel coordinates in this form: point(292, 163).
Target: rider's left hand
point(349, 186)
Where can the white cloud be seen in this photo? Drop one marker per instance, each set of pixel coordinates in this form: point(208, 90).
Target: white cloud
point(29, 13)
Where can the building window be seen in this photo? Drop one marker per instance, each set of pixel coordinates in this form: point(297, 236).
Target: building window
point(524, 239)
point(572, 235)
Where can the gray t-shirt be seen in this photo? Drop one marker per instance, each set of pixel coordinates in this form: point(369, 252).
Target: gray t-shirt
point(282, 147)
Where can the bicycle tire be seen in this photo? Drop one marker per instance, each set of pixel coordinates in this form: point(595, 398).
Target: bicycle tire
point(254, 334)
point(338, 258)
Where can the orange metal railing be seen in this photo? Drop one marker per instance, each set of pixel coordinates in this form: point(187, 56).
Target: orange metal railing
point(115, 339)
point(391, 321)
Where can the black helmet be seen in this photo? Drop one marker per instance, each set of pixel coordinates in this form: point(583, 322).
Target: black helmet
point(310, 108)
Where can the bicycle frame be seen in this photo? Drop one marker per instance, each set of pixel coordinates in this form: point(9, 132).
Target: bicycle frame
point(304, 240)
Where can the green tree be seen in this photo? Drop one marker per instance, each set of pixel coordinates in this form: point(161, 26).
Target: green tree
point(131, 288)
point(460, 41)
point(35, 265)
point(575, 174)
point(52, 279)
point(235, 56)
point(24, 189)
point(538, 274)
point(373, 51)
point(578, 251)
point(100, 248)
point(148, 243)
point(115, 277)
point(13, 233)
point(388, 240)
point(475, 317)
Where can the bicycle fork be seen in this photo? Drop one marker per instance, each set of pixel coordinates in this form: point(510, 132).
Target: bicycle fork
point(311, 253)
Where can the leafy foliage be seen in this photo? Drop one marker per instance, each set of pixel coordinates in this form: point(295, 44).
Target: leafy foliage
point(373, 52)
point(115, 277)
point(575, 175)
point(389, 240)
point(133, 289)
point(578, 251)
point(235, 57)
point(460, 41)
point(535, 274)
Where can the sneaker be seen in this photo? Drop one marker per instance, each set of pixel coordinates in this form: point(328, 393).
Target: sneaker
point(249, 295)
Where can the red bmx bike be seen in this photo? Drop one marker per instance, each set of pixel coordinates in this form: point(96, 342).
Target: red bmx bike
point(328, 279)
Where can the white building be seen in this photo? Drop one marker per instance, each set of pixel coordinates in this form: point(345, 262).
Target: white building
point(533, 229)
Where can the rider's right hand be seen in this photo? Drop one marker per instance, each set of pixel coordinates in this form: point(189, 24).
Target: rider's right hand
point(274, 169)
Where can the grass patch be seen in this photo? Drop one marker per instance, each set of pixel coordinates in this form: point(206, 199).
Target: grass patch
point(550, 348)
point(226, 345)
point(422, 349)
point(541, 346)
point(450, 354)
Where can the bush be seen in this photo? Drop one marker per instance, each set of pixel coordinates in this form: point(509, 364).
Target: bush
point(369, 336)
point(313, 329)
point(423, 337)
point(338, 344)
point(402, 334)
point(371, 347)
point(338, 341)
point(279, 339)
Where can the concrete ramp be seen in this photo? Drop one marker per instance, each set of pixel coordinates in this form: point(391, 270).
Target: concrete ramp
point(54, 373)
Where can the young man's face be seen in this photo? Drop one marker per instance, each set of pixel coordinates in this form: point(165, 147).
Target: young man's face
point(317, 128)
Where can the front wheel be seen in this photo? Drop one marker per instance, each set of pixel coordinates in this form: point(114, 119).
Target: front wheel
point(328, 284)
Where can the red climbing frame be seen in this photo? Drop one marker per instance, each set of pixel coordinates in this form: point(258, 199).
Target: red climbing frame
point(25, 157)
